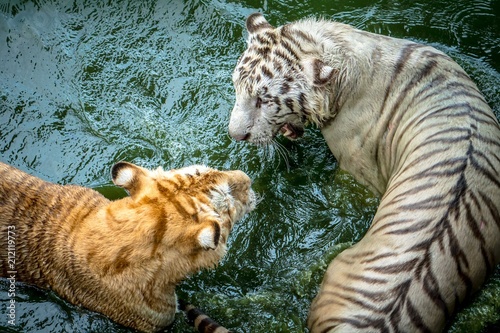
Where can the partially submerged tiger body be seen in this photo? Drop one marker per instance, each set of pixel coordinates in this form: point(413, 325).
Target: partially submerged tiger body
point(122, 258)
point(405, 120)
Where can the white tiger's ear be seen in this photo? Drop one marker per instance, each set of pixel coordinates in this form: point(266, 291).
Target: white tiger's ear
point(128, 176)
point(256, 22)
point(317, 72)
point(209, 236)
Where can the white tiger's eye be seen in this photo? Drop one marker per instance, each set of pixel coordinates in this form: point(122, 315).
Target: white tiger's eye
point(262, 101)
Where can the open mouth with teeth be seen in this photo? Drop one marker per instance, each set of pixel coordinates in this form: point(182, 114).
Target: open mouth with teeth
point(291, 132)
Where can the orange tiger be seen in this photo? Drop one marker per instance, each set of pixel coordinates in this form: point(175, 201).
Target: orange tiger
point(122, 258)
point(405, 120)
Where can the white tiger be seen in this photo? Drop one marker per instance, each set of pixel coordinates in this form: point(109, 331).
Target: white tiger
point(407, 121)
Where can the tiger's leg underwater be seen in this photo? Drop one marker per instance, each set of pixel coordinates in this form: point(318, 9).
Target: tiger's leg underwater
point(406, 121)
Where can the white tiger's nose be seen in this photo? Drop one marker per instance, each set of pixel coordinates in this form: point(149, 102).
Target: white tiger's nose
point(239, 125)
point(239, 136)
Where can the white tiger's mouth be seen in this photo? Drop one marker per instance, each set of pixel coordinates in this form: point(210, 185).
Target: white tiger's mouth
point(291, 132)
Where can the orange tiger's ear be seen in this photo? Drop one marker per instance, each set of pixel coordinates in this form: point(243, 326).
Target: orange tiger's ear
point(256, 22)
point(128, 176)
point(209, 236)
point(318, 73)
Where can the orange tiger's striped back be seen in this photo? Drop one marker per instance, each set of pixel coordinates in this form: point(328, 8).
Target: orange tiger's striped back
point(122, 258)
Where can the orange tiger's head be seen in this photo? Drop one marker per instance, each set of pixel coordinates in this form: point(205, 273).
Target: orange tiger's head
point(180, 218)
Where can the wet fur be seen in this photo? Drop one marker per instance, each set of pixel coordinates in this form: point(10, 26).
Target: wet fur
point(122, 258)
point(405, 120)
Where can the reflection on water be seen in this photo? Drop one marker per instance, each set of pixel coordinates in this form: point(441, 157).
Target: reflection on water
point(84, 84)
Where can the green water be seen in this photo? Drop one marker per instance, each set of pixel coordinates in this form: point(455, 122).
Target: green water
point(84, 84)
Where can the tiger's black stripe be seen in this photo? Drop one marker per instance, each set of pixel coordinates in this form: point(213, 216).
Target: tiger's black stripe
point(199, 320)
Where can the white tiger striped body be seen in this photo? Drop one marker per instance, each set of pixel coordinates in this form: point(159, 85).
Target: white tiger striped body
point(406, 121)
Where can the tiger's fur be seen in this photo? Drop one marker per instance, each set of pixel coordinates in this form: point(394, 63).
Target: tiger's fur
point(199, 320)
point(122, 258)
point(407, 121)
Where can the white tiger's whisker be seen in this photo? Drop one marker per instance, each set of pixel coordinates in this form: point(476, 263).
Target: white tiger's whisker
point(282, 152)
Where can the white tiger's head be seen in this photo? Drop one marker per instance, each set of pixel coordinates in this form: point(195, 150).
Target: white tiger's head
point(280, 83)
